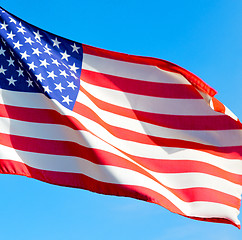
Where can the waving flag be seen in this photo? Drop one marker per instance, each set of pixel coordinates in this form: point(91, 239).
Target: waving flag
point(118, 124)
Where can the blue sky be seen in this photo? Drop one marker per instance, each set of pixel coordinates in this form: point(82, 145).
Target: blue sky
point(203, 36)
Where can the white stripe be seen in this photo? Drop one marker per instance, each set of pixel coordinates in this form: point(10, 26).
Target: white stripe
point(25, 99)
point(111, 174)
point(130, 70)
point(213, 210)
point(230, 113)
point(86, 139)
point(209, 137)
point(149, 104)
point(194, 180)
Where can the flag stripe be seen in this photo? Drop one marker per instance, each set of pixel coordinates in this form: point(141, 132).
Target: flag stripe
point(149, 104)
point(130, 70)
point(186, 166)
point(26, 99)
point(145, 88)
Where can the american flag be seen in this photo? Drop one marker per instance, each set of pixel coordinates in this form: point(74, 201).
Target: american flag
point(79, 116)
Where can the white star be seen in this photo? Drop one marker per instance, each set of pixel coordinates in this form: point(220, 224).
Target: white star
point(71, 85)
point(44, 63)
point(12, 20)
point(11, 35)
point(21, 29)
point(51, 75)
point(54, 61)
point(46, 89)
point(39, 77)
point(63, 73)
point(36, 51)
point(47, 50)
point(2, 51)
point(20, 72)
point(30, 83)
point(67, 99)
point(59, 87)
point(37, 36)
point(2, 70)
point(17, 45)
point(24, 55)
point(65, 56)
point(75, 48)
point(73, 67)
point(4, 26)
point(56, 42)
point(32, 66)
point(29, 40)
point(10, 62)
point(11, 81)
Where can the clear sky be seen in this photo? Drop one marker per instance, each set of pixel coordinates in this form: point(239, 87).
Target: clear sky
point(203, 36)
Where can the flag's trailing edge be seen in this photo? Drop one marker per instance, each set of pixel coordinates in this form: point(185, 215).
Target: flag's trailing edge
point(117, 124)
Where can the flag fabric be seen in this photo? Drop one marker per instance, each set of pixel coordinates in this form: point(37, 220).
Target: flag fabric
point(118, 124)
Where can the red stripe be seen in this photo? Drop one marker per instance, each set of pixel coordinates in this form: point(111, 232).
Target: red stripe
point(153, 89)
point(81, 181)
point(37, 115)
point(219, 122)
point(187, 166)
point(215, 220)
point(207, 195)
point(162, 64)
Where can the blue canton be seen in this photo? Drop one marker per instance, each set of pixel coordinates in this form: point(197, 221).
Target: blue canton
point(33, 60)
